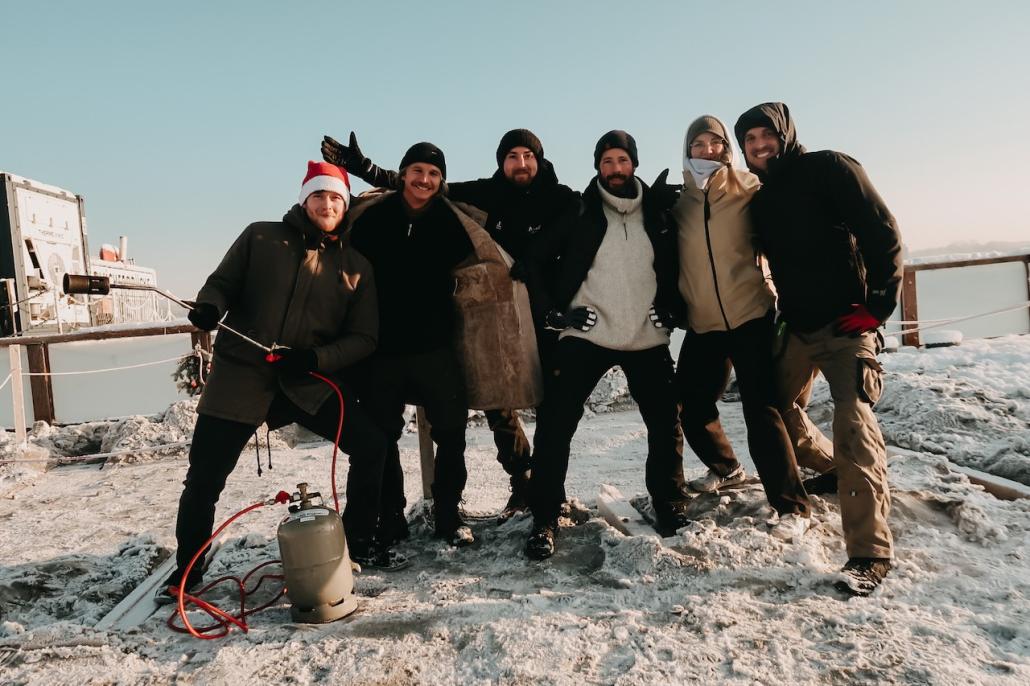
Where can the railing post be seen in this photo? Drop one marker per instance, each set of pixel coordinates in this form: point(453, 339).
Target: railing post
point(17, 395)
point(201, 338)
point(425, 449)
point(909, 306)
point(42, 386)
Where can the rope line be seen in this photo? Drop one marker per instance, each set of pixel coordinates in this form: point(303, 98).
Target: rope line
point(1021, 306)
point(108, 369)
point(6, 380)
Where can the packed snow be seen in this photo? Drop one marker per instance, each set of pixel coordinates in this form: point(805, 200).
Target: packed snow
point(720, 602)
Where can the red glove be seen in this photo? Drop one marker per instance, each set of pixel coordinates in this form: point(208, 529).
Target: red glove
point(859, 320)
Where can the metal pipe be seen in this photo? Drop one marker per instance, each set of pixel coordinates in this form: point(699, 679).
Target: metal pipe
point(81, 284)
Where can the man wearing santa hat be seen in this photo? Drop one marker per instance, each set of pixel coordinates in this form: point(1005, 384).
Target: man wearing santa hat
point(293, 283)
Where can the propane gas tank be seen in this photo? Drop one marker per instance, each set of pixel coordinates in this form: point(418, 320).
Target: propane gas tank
point(317, 567)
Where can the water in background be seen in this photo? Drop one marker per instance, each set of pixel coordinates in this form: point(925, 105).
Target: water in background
point(145, 390)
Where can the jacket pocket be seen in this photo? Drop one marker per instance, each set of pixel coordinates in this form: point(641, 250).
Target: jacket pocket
point(870, 379)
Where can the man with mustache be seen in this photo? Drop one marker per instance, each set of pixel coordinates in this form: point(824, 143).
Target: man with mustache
point(835, 255)
point(414, 239)
point(523, 200)
point(616, 281)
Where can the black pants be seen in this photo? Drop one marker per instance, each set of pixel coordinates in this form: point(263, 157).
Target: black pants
point(433, 380)
point(578, 367)
point(216, 447)
point(702, 373)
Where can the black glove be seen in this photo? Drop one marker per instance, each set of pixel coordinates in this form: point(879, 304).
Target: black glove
point(518, 271)
point(347, 156)
point(295, 360)
point(665, 194)
point(204, 316)
point(582, 318)
point(662, 318)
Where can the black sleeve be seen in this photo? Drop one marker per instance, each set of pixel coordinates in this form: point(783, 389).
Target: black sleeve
point(223, 286)
point(471, 192)
point(549, 247)
point(377, 177)
point(875, 229)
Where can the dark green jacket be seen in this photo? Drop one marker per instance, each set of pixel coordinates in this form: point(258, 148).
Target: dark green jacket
point(286, 283)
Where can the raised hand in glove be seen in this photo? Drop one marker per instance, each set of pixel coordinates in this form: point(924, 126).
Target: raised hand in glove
point(661, 318)
point(859, 320)
point(347, 156)
point(665, 194)
point(582, 318)
point(293, 360)
point(204, 316)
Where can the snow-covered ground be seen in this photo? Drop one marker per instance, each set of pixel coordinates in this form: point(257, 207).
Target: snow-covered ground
point(721, 602)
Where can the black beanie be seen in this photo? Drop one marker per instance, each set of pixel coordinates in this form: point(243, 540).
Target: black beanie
point(425, 152)
point(514, 139)
point(616, 139)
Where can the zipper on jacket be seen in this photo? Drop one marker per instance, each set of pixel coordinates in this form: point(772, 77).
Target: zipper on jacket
point(411, 225)
point(711, 261)
point(624, 229)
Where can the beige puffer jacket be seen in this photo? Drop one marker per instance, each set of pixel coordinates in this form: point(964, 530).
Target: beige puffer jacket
point(721, 276)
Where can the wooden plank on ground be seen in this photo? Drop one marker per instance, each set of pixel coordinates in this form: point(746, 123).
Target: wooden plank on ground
point(139, 605)
point(616, 510)
point(999, 487)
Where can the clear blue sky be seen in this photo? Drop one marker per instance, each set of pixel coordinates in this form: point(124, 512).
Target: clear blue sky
point(182, 122)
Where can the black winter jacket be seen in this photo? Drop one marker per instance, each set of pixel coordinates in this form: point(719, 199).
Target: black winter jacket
point(413, 257)
point(575, 243)
point(830, 240)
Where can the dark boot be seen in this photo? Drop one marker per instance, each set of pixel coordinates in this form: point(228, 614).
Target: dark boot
point(670, 517)
point(450, 525)
point(862, 575)
point(374, 555)
point(519, 500)
point(169, 591)
point(540, 544)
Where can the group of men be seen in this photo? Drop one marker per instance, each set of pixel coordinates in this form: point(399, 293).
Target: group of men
point(601, 268)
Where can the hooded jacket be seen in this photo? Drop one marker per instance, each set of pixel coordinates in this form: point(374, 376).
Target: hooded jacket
point(720, 272)
point(830, 240)
point(287, 283)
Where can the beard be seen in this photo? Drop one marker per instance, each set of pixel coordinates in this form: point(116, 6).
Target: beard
point(619, 185)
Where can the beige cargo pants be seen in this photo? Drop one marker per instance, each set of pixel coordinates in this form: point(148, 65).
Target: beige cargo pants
point(859, 455)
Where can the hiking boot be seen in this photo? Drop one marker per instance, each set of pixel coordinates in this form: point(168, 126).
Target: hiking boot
point(168, 593)
point(451, 527)
point(377, 556)
point(713, 481)
point(861, 575)
point(790, 528)
point(519, 500)
point(540, 544)
point(670, 517)
point(824, 484)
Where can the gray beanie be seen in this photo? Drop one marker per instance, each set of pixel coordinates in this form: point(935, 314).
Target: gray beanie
point(705, 124)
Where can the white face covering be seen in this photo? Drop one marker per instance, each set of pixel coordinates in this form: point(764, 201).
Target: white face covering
point(701, 169)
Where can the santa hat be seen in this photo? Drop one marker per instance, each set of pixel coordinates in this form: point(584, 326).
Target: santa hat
point(323, 176)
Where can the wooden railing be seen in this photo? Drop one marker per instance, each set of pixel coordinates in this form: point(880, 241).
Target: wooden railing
point(909, 289)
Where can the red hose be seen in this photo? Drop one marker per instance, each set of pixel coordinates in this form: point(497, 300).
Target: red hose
point(223, 619)
point(339, 432)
